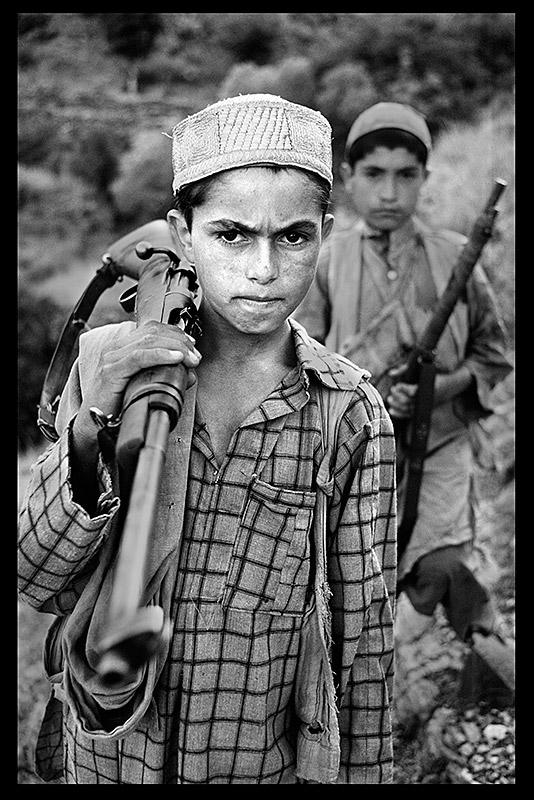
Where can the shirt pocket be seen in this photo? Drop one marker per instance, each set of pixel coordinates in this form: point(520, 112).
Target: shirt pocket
point(270, 566)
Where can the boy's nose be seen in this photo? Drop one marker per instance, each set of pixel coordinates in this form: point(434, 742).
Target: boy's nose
point(388, 188)
point(264, 266)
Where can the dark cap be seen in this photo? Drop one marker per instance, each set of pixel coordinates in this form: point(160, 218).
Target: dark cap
point(390, 115)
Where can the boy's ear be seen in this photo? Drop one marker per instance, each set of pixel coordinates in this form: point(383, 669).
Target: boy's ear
point(328, 224)
point(345, 171)
point(179, 229)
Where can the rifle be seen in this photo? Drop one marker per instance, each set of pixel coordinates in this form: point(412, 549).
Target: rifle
point(420, 365)
point(152, 405)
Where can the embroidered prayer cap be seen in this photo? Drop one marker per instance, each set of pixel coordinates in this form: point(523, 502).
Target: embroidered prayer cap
point(390, 115)
point(250, 129)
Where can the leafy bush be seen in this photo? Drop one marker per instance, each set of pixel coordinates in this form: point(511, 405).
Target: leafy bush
point(96, 156)
point(292, 78)
point(143, 188)
point(35, 27)
point(250, 37)
point(34, 183)
point(344, 92)
point(59, 217)
point(39, 141)
point(130, 34)
point(164, 71)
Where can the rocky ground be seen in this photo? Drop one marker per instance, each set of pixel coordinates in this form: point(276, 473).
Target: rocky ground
point(449, 726)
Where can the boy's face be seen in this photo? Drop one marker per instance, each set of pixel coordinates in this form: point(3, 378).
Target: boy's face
point(385, 186)
point(255, 242)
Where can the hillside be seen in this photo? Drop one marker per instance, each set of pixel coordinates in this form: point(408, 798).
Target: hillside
point(93, 164)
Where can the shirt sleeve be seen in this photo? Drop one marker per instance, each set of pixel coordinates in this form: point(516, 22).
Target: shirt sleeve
point(57, 537)
point(486, 352)
point(362, 574)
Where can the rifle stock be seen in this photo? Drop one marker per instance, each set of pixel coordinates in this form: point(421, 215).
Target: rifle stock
point(121, 260)
point(152, 405)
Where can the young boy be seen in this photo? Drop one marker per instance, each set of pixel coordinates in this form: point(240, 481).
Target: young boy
point(376, 286)
point(226, 701)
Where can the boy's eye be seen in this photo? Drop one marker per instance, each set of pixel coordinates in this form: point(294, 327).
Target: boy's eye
point(293, 237)
point(229, 236)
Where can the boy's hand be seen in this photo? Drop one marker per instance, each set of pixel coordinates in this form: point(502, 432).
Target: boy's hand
point(401, 398)
point(150, 344)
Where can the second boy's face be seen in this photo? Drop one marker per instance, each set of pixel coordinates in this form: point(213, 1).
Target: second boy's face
point(385, 187)
point(255, 242)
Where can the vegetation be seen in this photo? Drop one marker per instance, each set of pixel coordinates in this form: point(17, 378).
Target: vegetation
point(96, 90)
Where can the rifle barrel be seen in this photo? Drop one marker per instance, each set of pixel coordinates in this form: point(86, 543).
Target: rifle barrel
point(480, 233)
point(128, 583)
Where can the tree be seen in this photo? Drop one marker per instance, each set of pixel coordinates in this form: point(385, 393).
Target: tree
point(250, 37)
point(292, 78)
point(143, 188)
point(131, 36)
point(345, 91)
point(96, 157)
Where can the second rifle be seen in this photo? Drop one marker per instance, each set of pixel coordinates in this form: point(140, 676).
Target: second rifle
point(421, 370)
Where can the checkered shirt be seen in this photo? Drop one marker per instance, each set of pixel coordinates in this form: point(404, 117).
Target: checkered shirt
point(223, 708)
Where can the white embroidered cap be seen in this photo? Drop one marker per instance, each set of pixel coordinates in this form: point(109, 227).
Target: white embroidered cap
point(250, 129)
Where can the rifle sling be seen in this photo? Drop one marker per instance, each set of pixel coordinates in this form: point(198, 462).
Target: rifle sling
point(66, 348)
point(420, 430)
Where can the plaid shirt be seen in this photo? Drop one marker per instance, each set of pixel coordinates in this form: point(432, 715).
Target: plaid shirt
point(223, 707)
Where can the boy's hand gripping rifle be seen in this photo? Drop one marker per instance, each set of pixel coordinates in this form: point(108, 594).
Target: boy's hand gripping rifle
point(152, 405)
point(421, 370)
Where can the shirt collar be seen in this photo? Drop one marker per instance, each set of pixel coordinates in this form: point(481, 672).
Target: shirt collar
point(330, 369)
point(407, 227)
point(313, 359)
point(398, 239)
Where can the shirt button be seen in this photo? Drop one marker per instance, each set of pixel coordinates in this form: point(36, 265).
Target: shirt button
point(392, 274)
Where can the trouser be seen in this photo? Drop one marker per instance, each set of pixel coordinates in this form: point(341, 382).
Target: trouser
point(443, 577)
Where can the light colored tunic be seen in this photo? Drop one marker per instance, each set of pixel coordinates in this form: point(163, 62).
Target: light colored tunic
point(373, 310)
